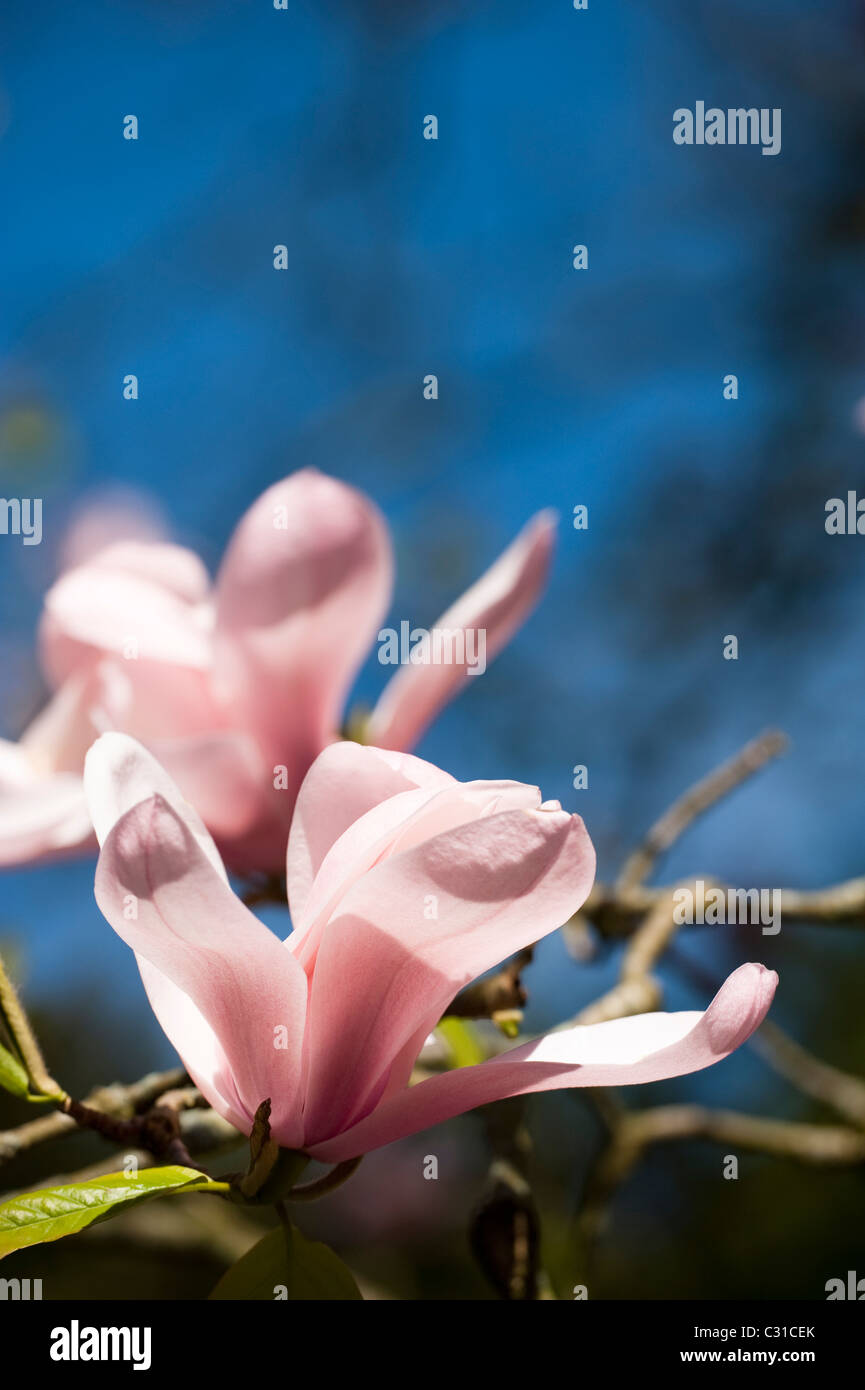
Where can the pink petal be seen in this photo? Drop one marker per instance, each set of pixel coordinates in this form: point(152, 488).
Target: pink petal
point(132, 593)
point(42, 808)
point(59, 736)
point(396, 825)
point(170, 567)
point(220, 772)
point(164, 898)
point(196, 1042)
point(497, 604)
point(119, 774)
point(40, 816)
point(216, 978)
point(300, 594)
point(345, 782)
point(222, 775)
point(153, 699)
point(625, 1052)
point(495, 884)
point(105, 515)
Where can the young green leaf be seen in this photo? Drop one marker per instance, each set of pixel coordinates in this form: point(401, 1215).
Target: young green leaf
point(285, 1265)
point(13, 1077)
point(54, 1212)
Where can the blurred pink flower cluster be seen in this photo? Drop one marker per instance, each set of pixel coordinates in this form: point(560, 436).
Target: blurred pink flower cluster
point(238, 685)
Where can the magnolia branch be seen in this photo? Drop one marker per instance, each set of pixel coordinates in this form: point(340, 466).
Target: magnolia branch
point(615, 912)
point(118, 1103)
point(638, 991)
point(203, 1132)
point(645, 916)
point(633, 1132)
point(695, 802)
point(615, 909)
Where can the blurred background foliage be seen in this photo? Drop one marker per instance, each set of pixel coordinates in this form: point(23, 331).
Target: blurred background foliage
point(406, 257)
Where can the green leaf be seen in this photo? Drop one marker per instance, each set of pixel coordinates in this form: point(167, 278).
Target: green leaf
point(285, 1265)
point(54, 1212)
point(13, 1077)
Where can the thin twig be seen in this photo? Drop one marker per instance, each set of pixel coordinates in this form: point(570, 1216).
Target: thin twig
point(114, 1100)
point(694, 802)
point(634, 1131)
point(203, 1132)
point(637, 991)
point(616, 912)
point(157, 1130)
point(839, 1090)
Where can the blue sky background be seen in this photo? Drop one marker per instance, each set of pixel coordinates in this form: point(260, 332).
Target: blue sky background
point(557, 387)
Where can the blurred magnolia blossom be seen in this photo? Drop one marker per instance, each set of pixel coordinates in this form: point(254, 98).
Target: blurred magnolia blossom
point(404, 885)
point(238, 685)
point(101, 518)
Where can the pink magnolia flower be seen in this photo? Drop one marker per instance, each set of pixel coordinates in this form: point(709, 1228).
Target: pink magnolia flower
point(238, 686)
point(404, 885)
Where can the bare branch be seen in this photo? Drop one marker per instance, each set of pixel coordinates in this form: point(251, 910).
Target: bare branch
point(615, 912)
point(117, 1101)
point(632, 1132)
point(838, 1089)
point(694, 802)
point(638, 991)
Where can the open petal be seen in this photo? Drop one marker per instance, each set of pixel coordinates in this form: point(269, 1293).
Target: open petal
point(103, 516)
point(63, 730)
point(625, 1052)
point(222, 775)
point(496, 606)
point(419, 926)
point(216, 977)
point(219, 769)
point(196, 1042)
point(43, 812)
point(300, 595)
point(393, 827)
point(158, 699)
point(345, 781)
point(130, 598)
point(119, 774)
point(40, 817)
point(170, 567)
point(163, 896)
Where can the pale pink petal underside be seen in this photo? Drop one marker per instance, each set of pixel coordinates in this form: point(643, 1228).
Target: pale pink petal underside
point(496, 605)
point(625, 1052)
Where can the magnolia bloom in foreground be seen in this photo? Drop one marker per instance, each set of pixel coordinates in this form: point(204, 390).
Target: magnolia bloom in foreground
point(404, 885)
point(237, 687)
